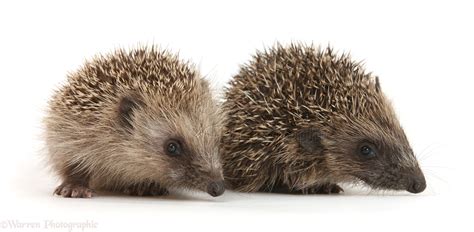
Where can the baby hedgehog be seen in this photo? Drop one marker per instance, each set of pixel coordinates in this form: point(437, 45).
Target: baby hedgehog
point(302, 120)
point(137, 122)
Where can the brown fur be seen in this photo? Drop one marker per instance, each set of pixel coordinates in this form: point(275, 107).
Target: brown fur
point(106, 128)
point(296, 118)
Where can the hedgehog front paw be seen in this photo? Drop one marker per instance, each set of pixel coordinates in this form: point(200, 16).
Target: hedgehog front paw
point(71, 190)
point(323, 189)
point(146, 189)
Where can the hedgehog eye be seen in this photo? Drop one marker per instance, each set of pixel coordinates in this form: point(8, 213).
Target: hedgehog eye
point(367, 150)
point(173, 148)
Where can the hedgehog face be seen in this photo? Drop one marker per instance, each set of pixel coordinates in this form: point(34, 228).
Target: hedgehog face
point(182, 145)
point(386, 166)
point(376, 153)
point(192, 153)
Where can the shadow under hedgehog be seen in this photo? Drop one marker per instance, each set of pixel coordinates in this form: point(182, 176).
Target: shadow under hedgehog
point(304, 119)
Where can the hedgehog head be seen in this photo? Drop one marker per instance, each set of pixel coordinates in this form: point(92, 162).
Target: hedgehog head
point(354, 132)
point(363, 149)
point(178, 135)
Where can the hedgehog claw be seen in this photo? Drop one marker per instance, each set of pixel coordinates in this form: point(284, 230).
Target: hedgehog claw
point(70, 190)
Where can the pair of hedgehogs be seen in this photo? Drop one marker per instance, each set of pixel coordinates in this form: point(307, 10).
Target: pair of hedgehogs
point(295, 119)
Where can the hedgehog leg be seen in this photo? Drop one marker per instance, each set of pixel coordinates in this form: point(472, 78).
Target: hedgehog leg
point(316, 189)
point(74, 190)
point(146, 189)
point(278, 189)
point(327, 188)
point(75, 184)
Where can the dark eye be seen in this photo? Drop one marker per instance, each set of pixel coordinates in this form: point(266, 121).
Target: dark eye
point(173, 148)
point(367, 150)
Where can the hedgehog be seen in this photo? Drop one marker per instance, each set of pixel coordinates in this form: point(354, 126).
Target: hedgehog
point(305, 119)
point(138, 122)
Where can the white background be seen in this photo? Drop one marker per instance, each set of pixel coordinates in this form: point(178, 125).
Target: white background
point(422, 51)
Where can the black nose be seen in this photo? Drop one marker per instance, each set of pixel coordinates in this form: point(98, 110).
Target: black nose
point(417, 185)
point(216, 188)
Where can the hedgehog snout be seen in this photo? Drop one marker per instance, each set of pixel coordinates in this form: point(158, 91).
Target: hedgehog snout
point(417, 184)
point(216, 188)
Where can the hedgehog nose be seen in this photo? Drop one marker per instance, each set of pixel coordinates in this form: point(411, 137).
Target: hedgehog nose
point(216, 188)
point(417, 185)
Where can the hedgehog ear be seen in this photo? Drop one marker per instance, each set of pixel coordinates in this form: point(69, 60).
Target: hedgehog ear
point(126, 107)
point(205, 84)
point(310, 139)
point(377, 85)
